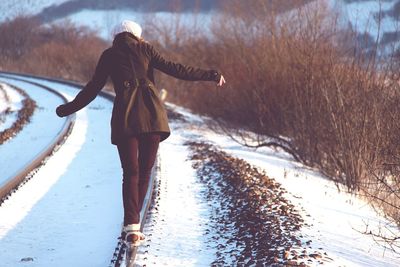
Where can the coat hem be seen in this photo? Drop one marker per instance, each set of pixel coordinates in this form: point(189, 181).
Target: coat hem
point(163, 134)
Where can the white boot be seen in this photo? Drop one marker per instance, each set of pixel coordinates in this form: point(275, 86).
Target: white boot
point(137, 238)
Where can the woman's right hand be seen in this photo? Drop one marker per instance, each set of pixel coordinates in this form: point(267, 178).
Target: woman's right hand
point(62, 111)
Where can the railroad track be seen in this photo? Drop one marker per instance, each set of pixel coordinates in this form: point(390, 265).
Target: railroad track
point(11, 184)
point(119, 257)
point(28, 171)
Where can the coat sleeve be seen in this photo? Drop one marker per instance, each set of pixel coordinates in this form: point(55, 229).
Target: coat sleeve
point(92, 88)
point(181, 71)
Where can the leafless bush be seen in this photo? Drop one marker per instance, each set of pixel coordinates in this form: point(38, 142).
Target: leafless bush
point(60, 50)
point(18, 36)
point(301, 76)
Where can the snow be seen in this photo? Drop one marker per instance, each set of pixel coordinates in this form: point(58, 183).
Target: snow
point(17, 209)
point(336, 219)
point(56, 218)
point(361, 14)
point(12, 8)
point(104, 21)
point(101, 21)
point(177, 237)
point(364, 16)
point(70, 212)
point(14, 105)
point(73, 206)
point(35, 135)
point(4, 102)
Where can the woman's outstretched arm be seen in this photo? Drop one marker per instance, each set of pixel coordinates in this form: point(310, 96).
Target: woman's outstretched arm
point(181, 71)
point(90, 91)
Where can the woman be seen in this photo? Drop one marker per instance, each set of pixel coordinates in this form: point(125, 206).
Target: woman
point(139, 121)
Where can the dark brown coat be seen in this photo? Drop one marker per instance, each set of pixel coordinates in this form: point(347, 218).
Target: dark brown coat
point(137, 108)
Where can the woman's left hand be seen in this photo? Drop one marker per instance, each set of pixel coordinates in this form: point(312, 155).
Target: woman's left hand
point(221, 81)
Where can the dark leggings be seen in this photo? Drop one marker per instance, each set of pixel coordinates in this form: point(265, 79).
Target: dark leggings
point(137, 155)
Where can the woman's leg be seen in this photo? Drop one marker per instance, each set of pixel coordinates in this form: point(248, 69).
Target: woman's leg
point(128, 153)
point(148, 146)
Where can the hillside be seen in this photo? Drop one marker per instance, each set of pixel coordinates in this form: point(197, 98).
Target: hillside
point(368, 17)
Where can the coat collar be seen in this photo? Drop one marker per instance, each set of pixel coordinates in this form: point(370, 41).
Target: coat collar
point(125, 38)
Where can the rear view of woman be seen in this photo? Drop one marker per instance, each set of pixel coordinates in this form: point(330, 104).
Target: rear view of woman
point(139, 121)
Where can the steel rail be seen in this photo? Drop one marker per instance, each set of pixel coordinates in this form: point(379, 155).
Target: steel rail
point(11, 184)
point(119, 254)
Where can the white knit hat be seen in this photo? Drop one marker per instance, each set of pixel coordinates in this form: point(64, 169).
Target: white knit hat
point(128, 26)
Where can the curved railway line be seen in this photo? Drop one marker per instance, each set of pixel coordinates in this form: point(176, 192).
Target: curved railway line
point(12, 184)
point(26, 172)
point(14, 123)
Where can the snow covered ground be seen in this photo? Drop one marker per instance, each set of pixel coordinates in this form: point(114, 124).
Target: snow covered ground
point(13, 104)
point(69, 214)
point(335, 219)
point(12, 8)
point(178, 228)
point(35, 136)
point(364, 16)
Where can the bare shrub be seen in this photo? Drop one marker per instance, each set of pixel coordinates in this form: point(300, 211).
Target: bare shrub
point(18, 36)
point(301, 78)
point(59, 50)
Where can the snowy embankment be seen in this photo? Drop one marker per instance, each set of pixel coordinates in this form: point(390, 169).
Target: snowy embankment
point(13, 8)
point(176, 226)
point(369, 16)
point(69, 213)
point(32, 137)
point(10, 104)
point(333, 220)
